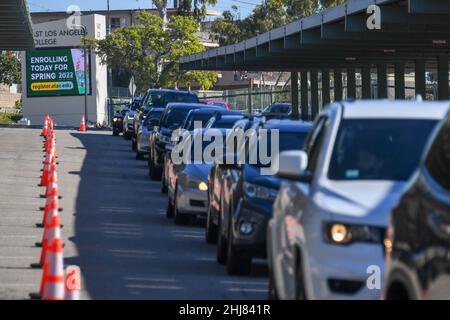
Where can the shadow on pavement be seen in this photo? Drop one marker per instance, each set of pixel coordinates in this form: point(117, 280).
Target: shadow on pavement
point(128, 249)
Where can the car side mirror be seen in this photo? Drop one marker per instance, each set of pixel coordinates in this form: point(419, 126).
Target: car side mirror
point(292, 165)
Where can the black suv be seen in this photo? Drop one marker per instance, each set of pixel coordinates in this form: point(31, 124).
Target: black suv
point(158, 98)
point(248, 195)
point(172, 119)
point(418, 237)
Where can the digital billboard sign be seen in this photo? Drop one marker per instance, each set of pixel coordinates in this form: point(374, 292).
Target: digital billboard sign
point(57, 72)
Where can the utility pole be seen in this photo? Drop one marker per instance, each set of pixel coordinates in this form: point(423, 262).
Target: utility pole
point(85, 78)
point(108, 32)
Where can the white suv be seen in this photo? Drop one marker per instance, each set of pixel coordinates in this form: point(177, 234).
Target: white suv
point(325, 240)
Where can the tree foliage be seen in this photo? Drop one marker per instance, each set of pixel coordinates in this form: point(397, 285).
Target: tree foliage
point(196, 8)
point(10, 69)
point(230, 29)
point(137, 49)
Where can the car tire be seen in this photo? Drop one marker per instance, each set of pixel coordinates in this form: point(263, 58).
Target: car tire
point(300, 293)
point(139, 155)
point(272, 294)
point(164, 188)
point(155, 173)
point(221, 255)
point(179, 218)
point(163, 181)
point(211, 228)
point(127, 136)
point(115, 133)
point(169, 210)
point(150, 160)
point(237, 262)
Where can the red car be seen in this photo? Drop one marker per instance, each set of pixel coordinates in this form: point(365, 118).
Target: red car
point(215, 102)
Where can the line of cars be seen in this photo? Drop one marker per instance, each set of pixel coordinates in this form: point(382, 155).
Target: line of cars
point(344, 204)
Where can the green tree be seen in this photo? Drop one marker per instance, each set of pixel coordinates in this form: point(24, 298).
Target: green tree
point(270, 14)
point(10, 69)
point(137, 49)
point(196, 8)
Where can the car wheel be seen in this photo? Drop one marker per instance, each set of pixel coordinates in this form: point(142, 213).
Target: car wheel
point(300, 293)
point(211, 228)
point(163, 181)
point(150, 160)
point(178, 218)
point(221, 255)
point(237, 262)
point(139, 155)
point(163, 185)
point(115, 133)
point(272, 290)
point(153, 171)
point(169, 210)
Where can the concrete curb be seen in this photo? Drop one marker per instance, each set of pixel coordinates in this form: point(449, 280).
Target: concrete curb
point(16, 126)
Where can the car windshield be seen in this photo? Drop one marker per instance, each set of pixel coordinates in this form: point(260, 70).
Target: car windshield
point(161, 99)
point(200, 117)
point(280, 108)
point(152, 116)
point(287, 141)
point(225, 123)
point(218, 104)
point(378, 149)
point(175, 117)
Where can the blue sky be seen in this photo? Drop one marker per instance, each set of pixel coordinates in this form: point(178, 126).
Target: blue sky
point(245, 6)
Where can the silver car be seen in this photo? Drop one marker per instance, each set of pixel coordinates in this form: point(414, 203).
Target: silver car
point(145, 131)
point(187, 183)
point(325, 240)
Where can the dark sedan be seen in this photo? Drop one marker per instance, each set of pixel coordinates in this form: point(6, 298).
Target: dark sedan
point(248, 193)
point(117, 126)
point(171, 119)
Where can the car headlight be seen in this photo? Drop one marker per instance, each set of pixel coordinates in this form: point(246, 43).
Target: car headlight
point(344, 234)
point(202, 186)
point(255, 191)
point(197, 184)
point(115, 120)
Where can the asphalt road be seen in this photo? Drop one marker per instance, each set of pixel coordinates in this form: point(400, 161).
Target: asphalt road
point(115, 227)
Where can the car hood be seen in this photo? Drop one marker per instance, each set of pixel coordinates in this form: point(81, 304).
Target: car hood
point(253, 175)
point(369, 202)
point(199, 171)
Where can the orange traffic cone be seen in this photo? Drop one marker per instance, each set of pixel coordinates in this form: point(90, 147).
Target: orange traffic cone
point(49, 164)
point(83, 124)
point(72, 283)
point(53, 278)
point(51, 260)
point(52, 227)
point(51, 193)
point(45, 127)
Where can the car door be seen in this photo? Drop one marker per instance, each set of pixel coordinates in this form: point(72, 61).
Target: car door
point(293, 201)
point(434, 219)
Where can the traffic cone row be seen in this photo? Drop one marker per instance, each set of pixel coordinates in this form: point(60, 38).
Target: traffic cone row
point(55, 284)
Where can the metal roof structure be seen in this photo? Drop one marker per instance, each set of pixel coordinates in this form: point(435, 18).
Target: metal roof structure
point(339, 37)
point(409, 35)
point(16, 30)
